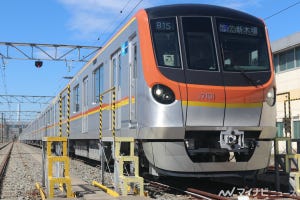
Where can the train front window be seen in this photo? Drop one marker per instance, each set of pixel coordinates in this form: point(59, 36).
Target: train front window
point(243, 46)
point(165, 40)
point(199, 43)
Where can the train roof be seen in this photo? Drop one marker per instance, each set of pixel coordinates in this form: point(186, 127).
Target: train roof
point(199, 9)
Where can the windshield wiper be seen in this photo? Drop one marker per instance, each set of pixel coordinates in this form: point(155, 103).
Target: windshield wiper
point(249, 78)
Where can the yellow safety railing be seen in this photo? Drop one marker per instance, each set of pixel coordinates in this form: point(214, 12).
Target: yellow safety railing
point(67, 114)
point(105, 189)
point(288, 156)
point(285, 159)
point(64, 175)
point(127, 182)
point(40, 189)
point(61, 159)
point(121, 181)
point(113, 116)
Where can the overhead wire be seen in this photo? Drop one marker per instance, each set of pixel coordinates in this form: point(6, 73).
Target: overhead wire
point(126, 5)
point(121, 11)
point(282, 10)
point(108, 27)
point(125, 18)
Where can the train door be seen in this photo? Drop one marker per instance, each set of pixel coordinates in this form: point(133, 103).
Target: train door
point(205, 102)
point(132, 80)
point(85, 105)
point(116, 82)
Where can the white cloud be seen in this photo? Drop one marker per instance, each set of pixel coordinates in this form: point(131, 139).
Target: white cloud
point(92, 18)
point(87, 23)
point(96, 6)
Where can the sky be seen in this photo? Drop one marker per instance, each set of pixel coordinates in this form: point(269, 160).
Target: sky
point(92, 23)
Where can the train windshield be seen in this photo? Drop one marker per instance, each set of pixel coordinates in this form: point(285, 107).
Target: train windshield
point(243, 46)
point(199, 43)
point(165, 40)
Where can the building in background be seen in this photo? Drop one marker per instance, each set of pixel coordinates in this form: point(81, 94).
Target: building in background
point(286, 54)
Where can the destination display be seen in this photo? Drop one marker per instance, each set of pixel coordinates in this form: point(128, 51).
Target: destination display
point(168, 24)
point(238, 29)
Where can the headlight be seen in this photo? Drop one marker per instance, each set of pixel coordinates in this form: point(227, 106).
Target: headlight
point(271, 97)
point(190, 143)
point(163, 94)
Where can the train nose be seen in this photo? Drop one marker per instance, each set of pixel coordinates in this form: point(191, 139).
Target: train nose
point(243, 106)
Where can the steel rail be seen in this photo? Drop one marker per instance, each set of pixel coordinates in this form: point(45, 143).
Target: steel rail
point(190, 191)
point(206, 194)
point(4, 163)
point(3, 146)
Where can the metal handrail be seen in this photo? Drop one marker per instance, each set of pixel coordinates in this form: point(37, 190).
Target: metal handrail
point(113, 107)
point(68, 111)
point(113, 110)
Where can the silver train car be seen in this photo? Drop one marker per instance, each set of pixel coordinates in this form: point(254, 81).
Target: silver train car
point(194, 86)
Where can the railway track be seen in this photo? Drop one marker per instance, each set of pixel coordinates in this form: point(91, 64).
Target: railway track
point(158, 190)
point(21, 172)
point(5, 152)
point(180, 189)
point(183, 189)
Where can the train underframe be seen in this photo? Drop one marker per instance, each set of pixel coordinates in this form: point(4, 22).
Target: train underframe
point(201, 153)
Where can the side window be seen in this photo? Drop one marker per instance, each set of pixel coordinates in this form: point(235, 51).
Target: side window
point(48, 117)
point(297, 54)
point(51, 115)
point(116, 82)
point(296, 129)
point(76, 98)
point(279, 126)
point(85, 104)
point(135, 62)
point(119, 70)
point(85, 100)
point(98, 80)
point(290, 59)
point(276, 62)
point(116, 69)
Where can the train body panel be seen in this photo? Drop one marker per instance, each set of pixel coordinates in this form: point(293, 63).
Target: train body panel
point(165, 154)
point(194, 86)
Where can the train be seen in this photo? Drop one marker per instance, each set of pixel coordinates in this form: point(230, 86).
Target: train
point(194, 86)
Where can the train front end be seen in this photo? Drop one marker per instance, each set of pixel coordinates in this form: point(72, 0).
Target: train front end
point(209, 91)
